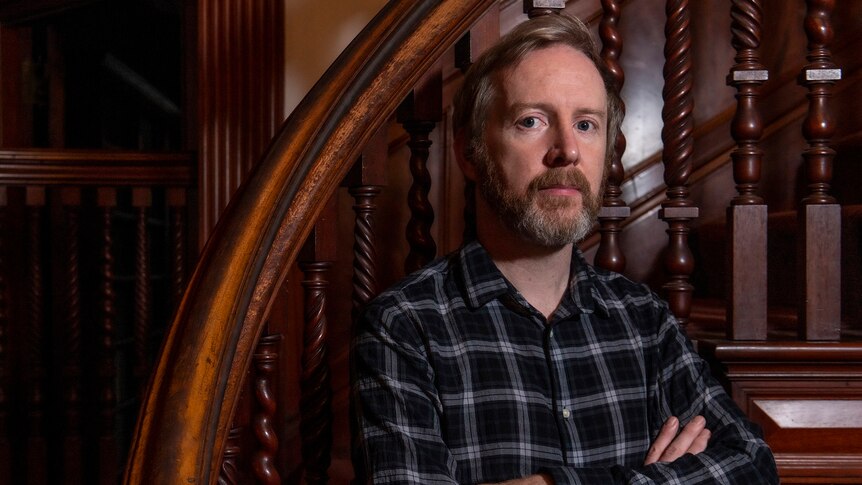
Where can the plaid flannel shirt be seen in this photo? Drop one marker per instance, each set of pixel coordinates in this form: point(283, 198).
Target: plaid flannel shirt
point(457, 379)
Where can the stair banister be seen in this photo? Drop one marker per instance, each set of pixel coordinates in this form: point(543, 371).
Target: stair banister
point(186, 414)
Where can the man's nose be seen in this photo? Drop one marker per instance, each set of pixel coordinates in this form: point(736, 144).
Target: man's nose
point(564, 148)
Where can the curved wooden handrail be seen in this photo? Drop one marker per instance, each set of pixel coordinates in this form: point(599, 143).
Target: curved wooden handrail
point(187, 411)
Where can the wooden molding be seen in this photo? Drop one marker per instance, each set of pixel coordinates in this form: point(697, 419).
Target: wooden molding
point(95, 167)
point(805, 396)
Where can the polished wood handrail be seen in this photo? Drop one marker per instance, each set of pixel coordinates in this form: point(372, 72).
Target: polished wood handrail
point(186, 414)
point(53, 166)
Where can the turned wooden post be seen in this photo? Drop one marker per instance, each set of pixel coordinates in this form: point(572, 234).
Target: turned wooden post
point(364, 183)
point(107, 445)
point(316, 392)
point(37, 445)
point(678, 210)
point(5, 441)
point(263, 463)
point(142, 201)
point(230, 473)
point(820, 214)
point(614, 209)
point(536, 8)
point(469, 47)
point(746, 215)
point(176, 197)
point(419, 113)
point(73, 451)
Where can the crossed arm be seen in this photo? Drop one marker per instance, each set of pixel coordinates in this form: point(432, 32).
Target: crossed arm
point(667, 447)
point(400, 416)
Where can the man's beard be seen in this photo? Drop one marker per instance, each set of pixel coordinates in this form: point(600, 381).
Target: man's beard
point(542, 220)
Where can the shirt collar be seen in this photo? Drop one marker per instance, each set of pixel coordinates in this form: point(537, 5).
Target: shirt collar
point(584, 286)
point(484, 282)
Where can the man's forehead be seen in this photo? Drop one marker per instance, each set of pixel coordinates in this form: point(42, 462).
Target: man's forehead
point(535, 66)
point(513, 90)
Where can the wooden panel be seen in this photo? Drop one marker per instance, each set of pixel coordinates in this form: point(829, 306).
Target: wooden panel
point(793, 425)
point(806, 397)
point(240, 94)
point(16, 117)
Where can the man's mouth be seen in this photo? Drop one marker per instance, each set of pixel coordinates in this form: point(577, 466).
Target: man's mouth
point(559, 189)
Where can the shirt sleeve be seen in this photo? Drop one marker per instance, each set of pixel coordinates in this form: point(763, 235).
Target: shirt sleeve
point(736, 453)
point(396, 407)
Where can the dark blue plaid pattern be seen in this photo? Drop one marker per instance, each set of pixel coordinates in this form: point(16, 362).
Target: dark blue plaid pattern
point(457, 379)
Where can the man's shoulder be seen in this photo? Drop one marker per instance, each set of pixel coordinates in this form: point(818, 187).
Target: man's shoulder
point(420, 289)
point(617, 284)
point(621, 296)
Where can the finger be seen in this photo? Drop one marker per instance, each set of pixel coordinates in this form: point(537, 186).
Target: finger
point(664, 438)
point(680, 445)
point(699, 443)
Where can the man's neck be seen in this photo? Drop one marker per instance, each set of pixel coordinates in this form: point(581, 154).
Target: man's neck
point(541, 274)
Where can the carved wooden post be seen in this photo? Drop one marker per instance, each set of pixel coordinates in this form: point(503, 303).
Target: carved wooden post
point(142, 201)
point(536, 8)
point(265, 362)
point(364, 184)
point(72, 434)
point(5, 442)
point(37, 446)
point(484, 33)
point(230, 473)
point(419, 114)
point(107, 446)
point(316, 399)
point(678, 210)
point(746, 216)
point(177, 210)
point(614, 210)
point(820, 215)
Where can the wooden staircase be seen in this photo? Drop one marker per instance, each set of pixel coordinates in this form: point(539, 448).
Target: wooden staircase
point(251, 385)
point(282, 202)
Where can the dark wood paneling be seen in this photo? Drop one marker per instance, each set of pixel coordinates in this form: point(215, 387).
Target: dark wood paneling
point(240, 95)
point(807, 397)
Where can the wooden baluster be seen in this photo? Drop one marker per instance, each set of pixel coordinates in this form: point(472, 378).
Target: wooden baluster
point(678, 210)
point(72, 434)
point(142, 201)
point(316, 399)
point(177, 208)
point(265, 362)
point(230, 473)
point(37, 447)
point(364, 184)
point(484, 33)
point(820, 214)
point(614, 210)
point(107, 447)
point(5, 442)
point(536, 8)
point(419, 114)
point(746, 216)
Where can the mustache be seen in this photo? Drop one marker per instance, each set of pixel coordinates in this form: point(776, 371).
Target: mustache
point(561, 176)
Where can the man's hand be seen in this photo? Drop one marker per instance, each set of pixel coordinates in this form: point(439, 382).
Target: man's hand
point(669, 446)
point(531, 480)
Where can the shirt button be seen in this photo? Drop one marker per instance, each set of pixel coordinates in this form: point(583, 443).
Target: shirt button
point(551, 334)
point(566, 413)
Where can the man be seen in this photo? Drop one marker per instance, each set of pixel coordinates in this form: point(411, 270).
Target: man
point(513, 359)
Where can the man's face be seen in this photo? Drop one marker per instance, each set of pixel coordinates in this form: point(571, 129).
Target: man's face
point(542, 165)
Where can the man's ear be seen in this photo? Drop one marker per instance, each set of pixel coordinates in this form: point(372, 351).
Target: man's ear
point(463, 156)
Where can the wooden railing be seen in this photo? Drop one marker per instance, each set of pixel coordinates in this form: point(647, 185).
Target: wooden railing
point(187, 413)
point(284, 214)
point(93, 259)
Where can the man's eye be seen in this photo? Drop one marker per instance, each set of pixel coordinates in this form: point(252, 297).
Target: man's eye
point(529, 122)
point(584, 125)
